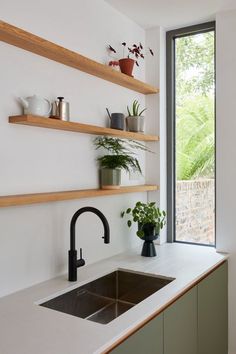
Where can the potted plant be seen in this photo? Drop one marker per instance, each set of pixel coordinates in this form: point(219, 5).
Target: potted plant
point(150, 221)
point(120, 157)
point(114, 64)
point(133, 53)
point(135, 120)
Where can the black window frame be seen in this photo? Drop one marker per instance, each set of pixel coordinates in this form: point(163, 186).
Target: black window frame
point(171, 137)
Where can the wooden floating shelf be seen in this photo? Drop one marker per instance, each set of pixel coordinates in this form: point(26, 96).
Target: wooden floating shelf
point(78, 127)
point(37, 45)
point(24, 199)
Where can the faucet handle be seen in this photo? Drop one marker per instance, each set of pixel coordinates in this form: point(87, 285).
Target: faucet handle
point(80, 262)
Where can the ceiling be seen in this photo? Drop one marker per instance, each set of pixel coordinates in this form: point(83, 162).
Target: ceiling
point(171, 13)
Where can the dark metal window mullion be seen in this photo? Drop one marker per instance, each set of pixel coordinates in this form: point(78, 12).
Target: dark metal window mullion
point(170, 53)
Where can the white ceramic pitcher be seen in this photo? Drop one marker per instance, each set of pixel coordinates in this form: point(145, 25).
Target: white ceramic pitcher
point(36, 105)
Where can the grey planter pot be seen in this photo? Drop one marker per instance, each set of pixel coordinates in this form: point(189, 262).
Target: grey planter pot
point(110, 178)
point(135, 123)
point(117, 121)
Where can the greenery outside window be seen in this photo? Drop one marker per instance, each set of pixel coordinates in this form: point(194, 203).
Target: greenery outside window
point(191, 134)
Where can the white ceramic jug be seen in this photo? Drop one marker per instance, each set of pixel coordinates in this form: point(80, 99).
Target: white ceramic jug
point(36, 105)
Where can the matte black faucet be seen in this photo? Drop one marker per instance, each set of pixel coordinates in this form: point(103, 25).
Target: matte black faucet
point(74, 263)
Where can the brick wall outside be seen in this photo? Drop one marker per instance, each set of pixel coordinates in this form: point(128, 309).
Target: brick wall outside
point(195, 214)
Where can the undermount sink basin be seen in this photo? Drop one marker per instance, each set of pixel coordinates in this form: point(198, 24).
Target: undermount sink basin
point(106, 298)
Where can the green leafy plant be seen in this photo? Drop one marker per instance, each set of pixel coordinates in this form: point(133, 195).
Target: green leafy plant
point(195, 66)
point(195, 149)
point(134, 110)
point(121, 155)
point(123, 162)
point(145, 213)
point(195, 85)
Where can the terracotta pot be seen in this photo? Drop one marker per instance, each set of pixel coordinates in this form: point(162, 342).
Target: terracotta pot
point(126, 66)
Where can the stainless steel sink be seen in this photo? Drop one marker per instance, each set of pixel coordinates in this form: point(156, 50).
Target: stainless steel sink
point(106, 298)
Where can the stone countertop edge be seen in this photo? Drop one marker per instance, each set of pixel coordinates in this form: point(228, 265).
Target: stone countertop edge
point(27, 328)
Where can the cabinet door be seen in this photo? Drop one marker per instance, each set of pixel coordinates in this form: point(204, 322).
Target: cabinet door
point(213, 313)
point(180, 325)
point(147, 340)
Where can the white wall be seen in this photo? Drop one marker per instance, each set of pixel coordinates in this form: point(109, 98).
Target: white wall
point(156, 75)
point(225, 159)
point(34, 239)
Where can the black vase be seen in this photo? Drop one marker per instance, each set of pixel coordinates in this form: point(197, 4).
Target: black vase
point(149, 236)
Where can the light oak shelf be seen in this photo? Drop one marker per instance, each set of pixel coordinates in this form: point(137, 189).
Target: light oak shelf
point(32, 43)
point(24, 199)
point(78, 127)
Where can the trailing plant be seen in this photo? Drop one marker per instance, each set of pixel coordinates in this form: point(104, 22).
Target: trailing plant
point(117, 145)
point(136, 50)
point(121, 155)
point(145, 213)
point(134, 111)
point(123, 162)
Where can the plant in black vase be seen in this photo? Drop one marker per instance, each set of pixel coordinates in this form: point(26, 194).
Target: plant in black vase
point(120, 157)
point(150, 221)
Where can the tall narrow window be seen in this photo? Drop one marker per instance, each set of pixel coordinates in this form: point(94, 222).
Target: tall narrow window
point(191, 130)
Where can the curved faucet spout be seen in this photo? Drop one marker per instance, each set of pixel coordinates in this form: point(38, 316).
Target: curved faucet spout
point(73, 262)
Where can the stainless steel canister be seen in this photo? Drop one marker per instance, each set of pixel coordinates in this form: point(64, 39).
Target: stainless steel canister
point(61, 109)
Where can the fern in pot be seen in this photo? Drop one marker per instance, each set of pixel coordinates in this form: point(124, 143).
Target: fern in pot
point(150, 221)
point(135, 120)
point(120, 157)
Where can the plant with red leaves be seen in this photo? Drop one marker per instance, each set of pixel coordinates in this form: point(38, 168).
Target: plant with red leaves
point(136, 50)
point(113, 63)
point(111, 49)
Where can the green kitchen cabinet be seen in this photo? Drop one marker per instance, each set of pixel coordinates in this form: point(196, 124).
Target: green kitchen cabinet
point(196, 323)
point(180, 325)
point(213, 312)
point(147, 340)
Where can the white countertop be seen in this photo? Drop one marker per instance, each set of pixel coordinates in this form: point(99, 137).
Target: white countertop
point(26, 328)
